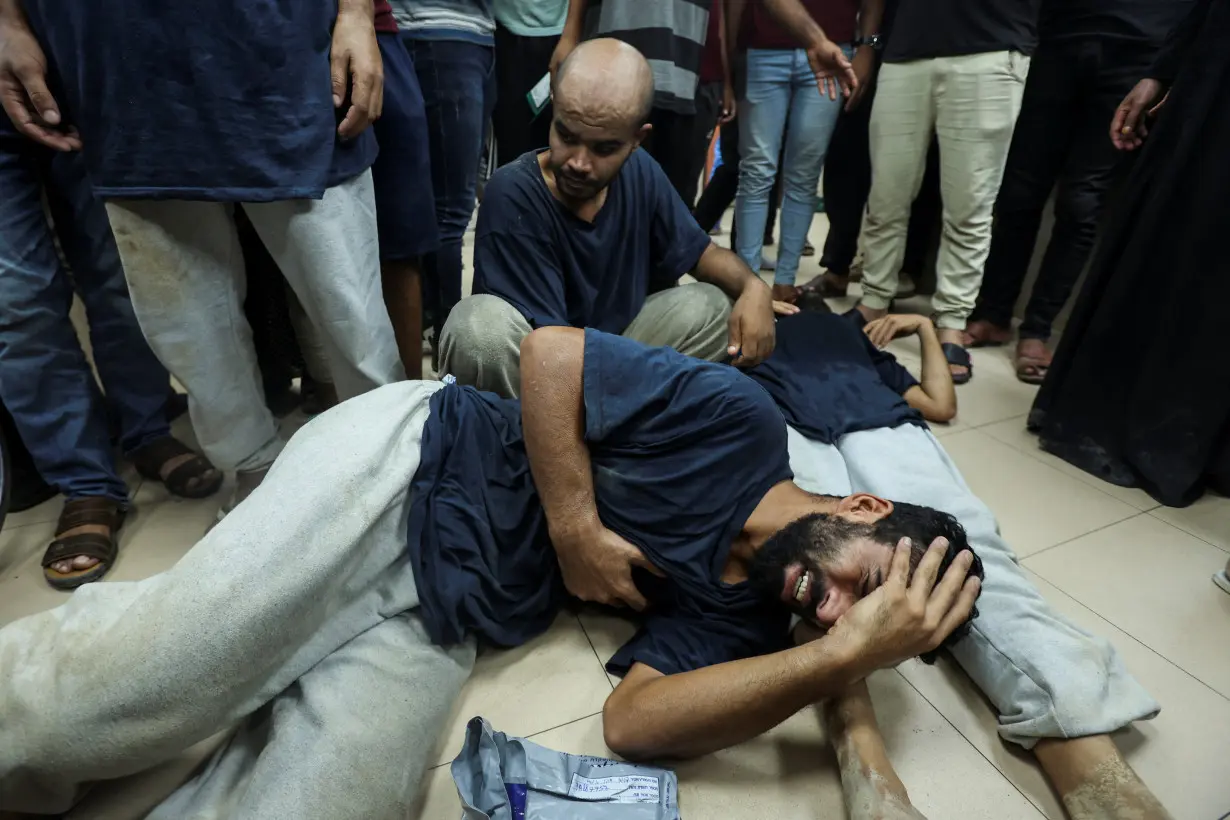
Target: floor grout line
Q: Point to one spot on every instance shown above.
(594, 649)
(973, 745)
(1022, 559)
(1197, 536)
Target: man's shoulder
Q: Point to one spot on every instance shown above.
(643, 174)
(515, 190)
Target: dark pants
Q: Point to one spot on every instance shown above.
(458, 83)
(672, 143)
(1061, 136)
(847, 183)
(522, 63)
(719, 194)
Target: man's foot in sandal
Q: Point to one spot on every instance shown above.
(183, 472)
(959, 363)
(981, 333)
(1033, 359)
(85, 544)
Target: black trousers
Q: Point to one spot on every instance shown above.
(672, 142)
(520, 62)
(1061, 137)
(719, 194)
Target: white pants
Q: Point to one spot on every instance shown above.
(296, 616)
(970, 103)
(185, 274)
(1045, 675)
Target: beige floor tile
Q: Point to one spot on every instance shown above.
(1037, 506)
(39, 514)
(1013, 433)
(550, 681)
(607, 632)
(1179, 754)
(1208, 519)
(1151, 580)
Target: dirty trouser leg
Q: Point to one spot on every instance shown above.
(126, 675)
(690, 318)
(481, 344)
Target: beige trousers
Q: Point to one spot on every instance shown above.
(971, 103)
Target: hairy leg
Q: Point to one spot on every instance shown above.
(1095, 782)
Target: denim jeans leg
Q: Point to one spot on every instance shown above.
(455, 78)
(762, 123)
(812, 120)
(45, 380)
(135, 382)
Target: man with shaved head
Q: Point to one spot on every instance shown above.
(591, 233)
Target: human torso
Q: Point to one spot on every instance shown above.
(925, 29)
(836, 17)
(670, 33)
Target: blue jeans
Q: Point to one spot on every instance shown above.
(458, 83)
(782, 100)
(45, 380)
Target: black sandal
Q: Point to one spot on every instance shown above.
(78, 512)
(956, 355)
(149, 461)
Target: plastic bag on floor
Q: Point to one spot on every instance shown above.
(509, 778)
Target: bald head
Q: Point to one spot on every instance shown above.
(607, 81)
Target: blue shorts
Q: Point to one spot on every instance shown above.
(405, 204)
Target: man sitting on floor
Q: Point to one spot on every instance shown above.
(333, 614)
(591, 233)
(856, 426)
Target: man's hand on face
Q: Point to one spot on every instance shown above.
(354, 62)
(904, 618)
(753, 329)
(23, 89)
(597, 567)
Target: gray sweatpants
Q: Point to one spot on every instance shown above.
(185, 273)
(294, 617)
(481, 341)
(1045, 675)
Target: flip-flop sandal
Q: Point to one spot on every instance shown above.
(1031, 370)
(78, 512)
(983, 340)
(956, 355)
(149, 461)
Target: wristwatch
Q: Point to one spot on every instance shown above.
(874, 40)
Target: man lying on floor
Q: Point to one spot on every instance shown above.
(332, 617)
(856, 425)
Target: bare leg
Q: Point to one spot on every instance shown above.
(403, 298)
(871, 788)
(1095, 782)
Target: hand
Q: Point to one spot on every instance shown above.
(563, 48)
(24, 93)
(730, 105)
(888, 327)
(354, 61)
(597, 567)
(864, 65)
(1129, 128)
(752, 330)
(784, 308)
(833, 71)
(901, 620)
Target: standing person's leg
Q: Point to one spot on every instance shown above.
(720, 192)
(405, 206)
(481, 344)
(1040, 145)
(329, 253)
(810, 125)
(977, 108)
(296, 572)
(703, 124)
(693, 319)
(847, 182)
(522, 64)
(762, 123)
(454, 77)
(902, 120)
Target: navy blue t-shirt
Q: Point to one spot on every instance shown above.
(682, 452)
(228, 100)
(559, 270)
(829, 379)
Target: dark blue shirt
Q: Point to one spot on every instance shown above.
(829, 379)
(558, 269)
(682, 452)
(226, 100)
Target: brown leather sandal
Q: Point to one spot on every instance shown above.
(79, 512)
(194, 478)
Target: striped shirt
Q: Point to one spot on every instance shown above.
(468, 20)
(671, 35)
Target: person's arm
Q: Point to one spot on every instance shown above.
(870, 17)
(596, 563)
(833, 71)
(730, 105)
(574, 25)
(753, 331)
(733, 19)
(935, 396)
(24, 93)
(703, 710)
(355, 65)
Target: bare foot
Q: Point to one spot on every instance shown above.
(785, 293)
(1033, 359)
(80, 562)
(981, 333)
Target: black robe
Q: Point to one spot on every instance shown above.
(1139, 391)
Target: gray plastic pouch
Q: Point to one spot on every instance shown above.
(509, 778)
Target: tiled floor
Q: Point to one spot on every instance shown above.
(1108, 558)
